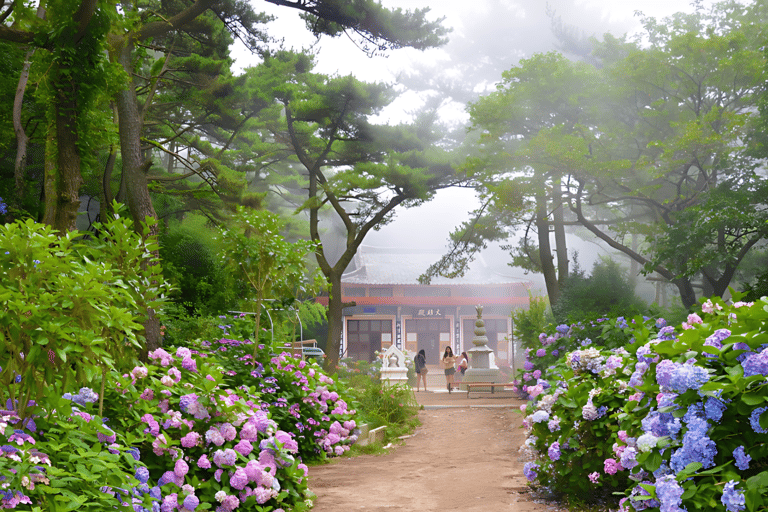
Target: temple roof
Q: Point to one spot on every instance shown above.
(388, 265)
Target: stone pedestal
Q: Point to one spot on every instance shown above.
(480, 368)
(393, 368)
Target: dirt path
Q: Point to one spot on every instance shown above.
(461, 458)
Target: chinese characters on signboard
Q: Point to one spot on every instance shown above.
(431, 313)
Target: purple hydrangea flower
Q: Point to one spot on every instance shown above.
(191, 502)
(554, 451)
(756, 364)
(669, 493)
(742, 458)
(754, 420)
(529, 470)
(142, 474)
(732, 498)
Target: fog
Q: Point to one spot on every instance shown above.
(489, 37)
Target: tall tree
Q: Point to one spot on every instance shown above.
(358, 171)
(540, 93)
(649, 149)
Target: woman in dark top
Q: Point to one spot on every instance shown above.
(421, 368)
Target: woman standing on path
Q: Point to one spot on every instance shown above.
(420, 366)
(463, 364)
(449, 361)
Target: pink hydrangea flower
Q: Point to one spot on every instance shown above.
(181, 468)
(203, 462)
(183, 352)
(239, 479)
(139, 372)
(611, 466)
(189, 364)
(175, 374)
(228, 431)
(244, 447)
(148, 394)
(190, 440)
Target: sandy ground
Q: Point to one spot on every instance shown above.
(464, 456)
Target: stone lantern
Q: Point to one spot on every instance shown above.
(480, 356)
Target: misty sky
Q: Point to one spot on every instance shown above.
(489, 37)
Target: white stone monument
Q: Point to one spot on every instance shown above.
(482, 367)
(393, 368)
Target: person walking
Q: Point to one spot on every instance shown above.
(420, 366)
(448, 363)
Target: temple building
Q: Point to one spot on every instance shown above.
(392, 307)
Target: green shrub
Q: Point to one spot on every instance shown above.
(605, 292)
(191, 263)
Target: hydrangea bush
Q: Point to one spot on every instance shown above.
(302, 400)
(205, 442)
(63, 459)
(680, 424)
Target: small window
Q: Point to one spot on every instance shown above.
(380, 292)
(350, 291)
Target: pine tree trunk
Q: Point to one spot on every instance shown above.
(335, 321)
(135, 169)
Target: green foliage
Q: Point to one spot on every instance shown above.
(62, 463)
(72, 308)
(382, 404)
(257, 254)
(605, 292)
(529, 323)
(191, 263)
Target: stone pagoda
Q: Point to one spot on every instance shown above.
(480, 356)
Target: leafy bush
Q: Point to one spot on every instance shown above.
(605, 292)
(62, 458)
(528, 323)
(675, 419)
(192, 264)
(72, 307)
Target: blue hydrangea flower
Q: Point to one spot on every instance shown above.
(666, 333)
(754, 420)
(660, 322)
(664, 371)
(3, 207)
(688, 376)
(756, 364)
(669, 493)
(732, 498)
(742, 458)
(563, 328)
(714, 408)
(697, 447)
(716, 340)
(629, 458)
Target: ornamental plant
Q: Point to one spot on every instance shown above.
(683, 417)
(302, 399)
(72, 308)
(205, 444)
(63, 458)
